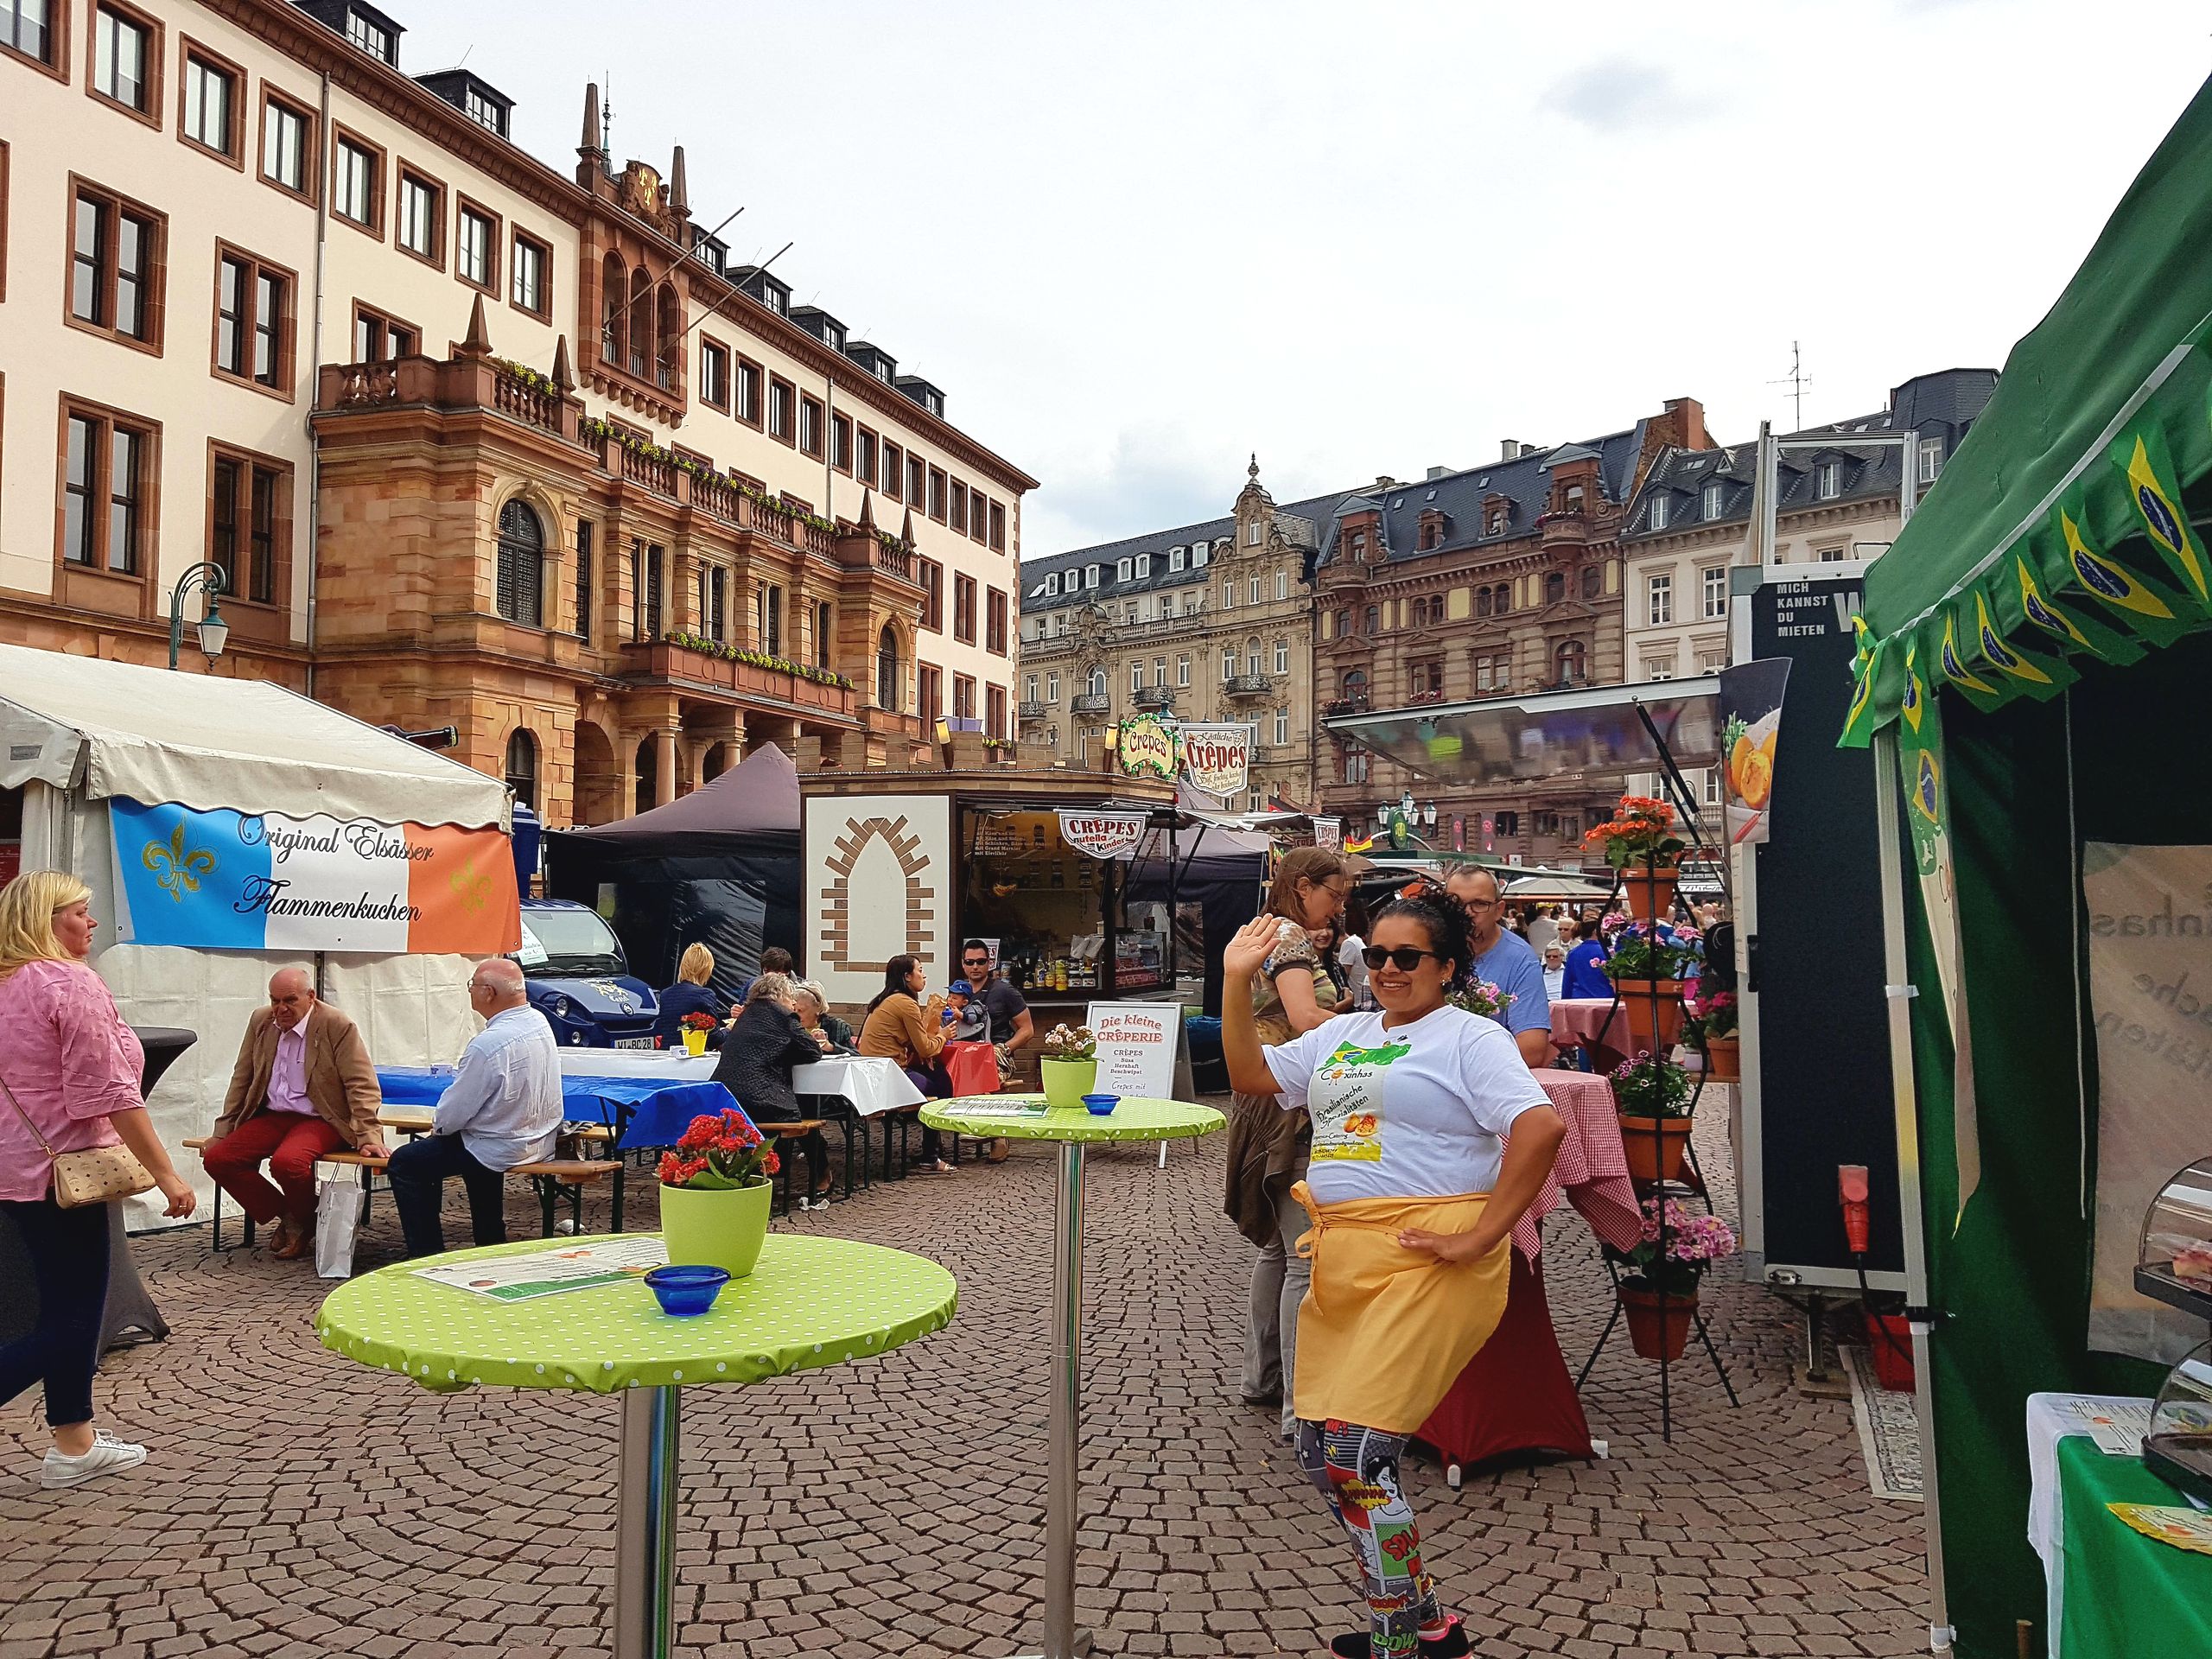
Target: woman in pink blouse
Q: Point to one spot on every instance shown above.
(71, 1067)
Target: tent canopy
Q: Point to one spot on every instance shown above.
(758, 796)
(1548, 736)
(209, 742)
(1555, 887)
(2059, 532)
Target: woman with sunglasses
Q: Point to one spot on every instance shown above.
(1413, 1191)
(1267, 1147)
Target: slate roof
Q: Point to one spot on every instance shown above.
(1940, 406)
(1318, 511)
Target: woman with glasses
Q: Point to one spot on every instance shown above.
(1412, 1194)
(1267, 1147)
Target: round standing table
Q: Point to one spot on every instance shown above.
(810, 1302)
(1133, 1120)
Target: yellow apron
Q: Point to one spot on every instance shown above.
(1384, 1331)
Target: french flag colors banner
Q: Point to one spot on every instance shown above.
(226, 880)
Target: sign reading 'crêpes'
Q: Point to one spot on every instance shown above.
(1147, 745)
(1102, 835)
(228, 881)
(1217, 759)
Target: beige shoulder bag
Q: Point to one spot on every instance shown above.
(96, 1175)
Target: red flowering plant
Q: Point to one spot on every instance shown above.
(698, 1022)
(1641, 831)
(719, 1152)
(1710, 1013)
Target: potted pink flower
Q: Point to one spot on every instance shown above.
(1659, 1288)
(1710, 1027)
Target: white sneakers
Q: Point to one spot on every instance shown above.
(107, 1456)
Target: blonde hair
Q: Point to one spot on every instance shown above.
(27, 907)
(696, 966)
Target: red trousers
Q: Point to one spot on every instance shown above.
(291, 1144)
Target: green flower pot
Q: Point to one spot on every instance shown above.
(1066, 1081)
(715, 1227)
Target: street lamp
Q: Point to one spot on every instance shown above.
(213, 630)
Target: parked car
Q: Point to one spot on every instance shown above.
(578, 978)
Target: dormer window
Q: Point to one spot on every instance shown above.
(1716, 497)
(1121, 570)
(1573, 498)
(1253, 533)
(1359, 547)
(1052, 586)
(1495, 524)
(1660, 506)
(484, 112)
(371, 37)
(1092, 581)
(1175, 557)
(1199, 555)
(1144, 566)
(1829, 479)
(1931, 459)
(772, 298)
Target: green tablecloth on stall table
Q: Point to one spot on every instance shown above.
(2125, 1596)
(811, 1301)
(1133, 1120)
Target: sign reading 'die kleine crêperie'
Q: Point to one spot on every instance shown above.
(1102, 835)
(1136, 1047)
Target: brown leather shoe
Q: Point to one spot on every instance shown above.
(293, 1244)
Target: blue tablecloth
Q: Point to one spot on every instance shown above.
(648, 1112)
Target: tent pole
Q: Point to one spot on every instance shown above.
(1174, 891)
(1900, 994)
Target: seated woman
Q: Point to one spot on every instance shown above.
(900, 1027)
(813, 1009)
(689, 995)
(758, 1050)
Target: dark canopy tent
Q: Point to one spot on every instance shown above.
(2031, 643)
(1221, 871)
(721, 866)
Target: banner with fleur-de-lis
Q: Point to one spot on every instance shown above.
(228, 881)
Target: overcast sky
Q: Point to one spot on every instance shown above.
(1133, 242)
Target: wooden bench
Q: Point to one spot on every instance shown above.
(215, 1244)
(787, 1133)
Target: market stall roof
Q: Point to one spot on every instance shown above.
(758, 796)
(208, 742)
(2059, 529)
(1555, 887)
(1546, 735)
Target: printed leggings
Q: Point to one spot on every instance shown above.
(1356, 1470)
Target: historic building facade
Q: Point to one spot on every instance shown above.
(471, 441)
(1204, 622)
(1839, 501)
(1493, 580)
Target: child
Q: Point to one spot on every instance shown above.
(969, 1019)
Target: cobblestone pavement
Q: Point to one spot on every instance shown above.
(296, 1504)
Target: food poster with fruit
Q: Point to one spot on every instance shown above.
(1750, 714)
(2149, 919)
(1346, 1102)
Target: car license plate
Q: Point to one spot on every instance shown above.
(633, 1042)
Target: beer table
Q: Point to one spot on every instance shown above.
(992, 1115)
(811, 1301)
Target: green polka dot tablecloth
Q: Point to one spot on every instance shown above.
(1133, 1120)
(809, 1301)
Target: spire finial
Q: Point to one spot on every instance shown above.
(1253, 471)
(868, 511)
(564, 378)
(679, 193)
(591, 148)
(478, 342)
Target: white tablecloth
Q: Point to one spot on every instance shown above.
(636, 1063)
(872, 1086)
(2051, 1418)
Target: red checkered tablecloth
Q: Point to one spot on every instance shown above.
(1592, 1171)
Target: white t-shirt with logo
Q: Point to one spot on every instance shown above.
(1414, 1111)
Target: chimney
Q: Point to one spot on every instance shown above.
(1685, 423)
(1508, 449)
(1385, 481)
(1435, 473)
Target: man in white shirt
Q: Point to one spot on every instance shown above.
(502, 1108)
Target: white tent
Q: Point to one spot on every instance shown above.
(76, 731)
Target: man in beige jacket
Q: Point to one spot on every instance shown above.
(302, 1089)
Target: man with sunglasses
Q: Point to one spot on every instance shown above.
(1012, 1025)
(1507, 960)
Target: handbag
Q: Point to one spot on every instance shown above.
(96, 1175)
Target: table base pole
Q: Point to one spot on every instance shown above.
(645, 1537)
(1080, 1648)
(1062, 1473)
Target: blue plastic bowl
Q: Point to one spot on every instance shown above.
(685, 1292)
(1101, 1105)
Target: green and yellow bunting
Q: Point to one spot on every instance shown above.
(1858, 720)
(2149, 473)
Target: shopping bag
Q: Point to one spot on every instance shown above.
(337, 1219)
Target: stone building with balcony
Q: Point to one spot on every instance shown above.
(468, 440)
(1490, 581)
(1204, 622)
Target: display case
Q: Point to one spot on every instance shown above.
(2173, 1259)
(2177, 1447)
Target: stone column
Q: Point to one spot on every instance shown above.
(663, 765)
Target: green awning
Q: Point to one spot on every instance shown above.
(2062, 529)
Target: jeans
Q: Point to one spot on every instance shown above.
(68, 1251)
(933, 1085)
(419, 1173)
(1280, 1278)
(291, 1143)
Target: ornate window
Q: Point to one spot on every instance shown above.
(522, 566)
(887, 669)
(522, 767)
(1569, 661)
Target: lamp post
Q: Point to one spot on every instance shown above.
(212, 630)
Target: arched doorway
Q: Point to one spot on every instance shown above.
(648, 791)
(598, 779)
(522, 767)
(714, 762)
